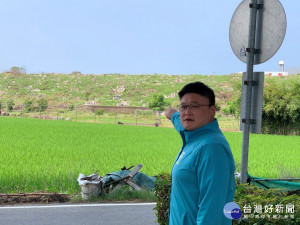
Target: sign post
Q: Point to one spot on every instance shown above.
(249, 82)
(257, 30)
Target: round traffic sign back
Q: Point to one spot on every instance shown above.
(270, 30)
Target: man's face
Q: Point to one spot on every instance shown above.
(195, 111)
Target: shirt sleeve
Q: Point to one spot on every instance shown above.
(175, 118)
(213, 180)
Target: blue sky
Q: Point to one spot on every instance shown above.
(131, 37)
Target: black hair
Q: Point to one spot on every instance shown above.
(198, 88)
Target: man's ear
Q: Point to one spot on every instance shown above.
(213, 110)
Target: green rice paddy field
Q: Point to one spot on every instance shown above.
(48, 155)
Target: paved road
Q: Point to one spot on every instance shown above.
(81, 214)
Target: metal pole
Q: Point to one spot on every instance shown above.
(249, 78)
(136, 117)
(57, 112)
(23, 110)
(76, 114)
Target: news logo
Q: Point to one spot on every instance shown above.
(232, 211)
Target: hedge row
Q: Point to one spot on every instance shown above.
(277, 208)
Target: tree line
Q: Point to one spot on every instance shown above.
(281, 106)
(29, 105)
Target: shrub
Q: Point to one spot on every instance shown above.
(71, 107)
(28, 105)
(281, 107)
(245, 195)
(99, 112)
(10, 105)
(158, 103)
(252, 195)
(162, 193)
(42, 104)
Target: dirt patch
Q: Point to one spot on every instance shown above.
(33, 198)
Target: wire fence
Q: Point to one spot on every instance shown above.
(140, 116)
(93, 114)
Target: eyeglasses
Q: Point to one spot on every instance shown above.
(193, 107)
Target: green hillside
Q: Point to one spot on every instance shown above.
(113, 89)
(107, 89)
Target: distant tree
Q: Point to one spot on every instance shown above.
(281, 107)
(42, 104)
(10, 105)
(1, 104)
(28, 105)
(76, 73)
(17, 70)
(100, 112)
(71, 107)
(158, 103)
(233, 107)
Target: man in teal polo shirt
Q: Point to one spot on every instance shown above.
(203, 173)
